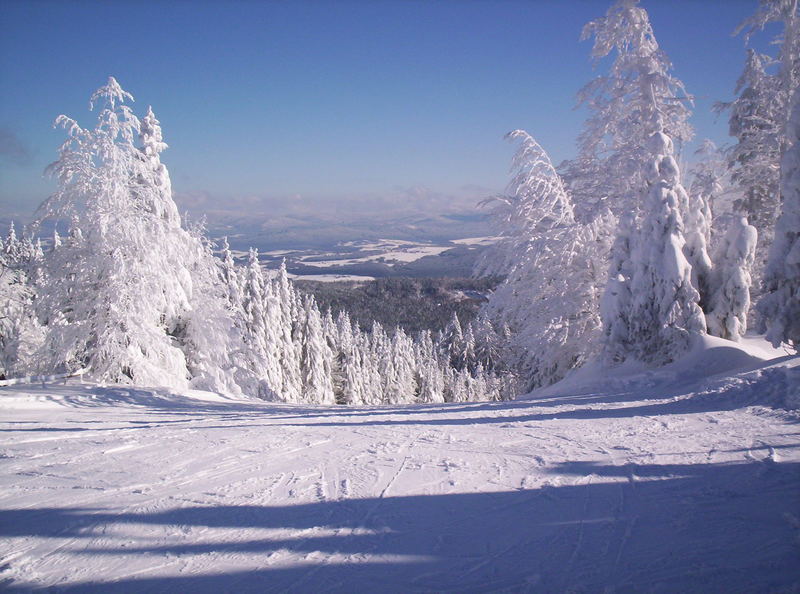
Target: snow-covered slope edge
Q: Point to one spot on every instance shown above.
(749, 372)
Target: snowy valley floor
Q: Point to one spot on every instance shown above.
(689, 485)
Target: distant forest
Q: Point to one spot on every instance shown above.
(414, 304)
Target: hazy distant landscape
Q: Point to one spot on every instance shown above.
(331, 248)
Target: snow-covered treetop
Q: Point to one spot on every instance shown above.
(754, 71)
(625, 28)
(535, 202)
(785, 12)
(639, 74)
(539, 198)
(635, 97)
(110, 94)
(150, 134)
(86, 154)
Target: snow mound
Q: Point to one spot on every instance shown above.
(750, 372)
(43, 396)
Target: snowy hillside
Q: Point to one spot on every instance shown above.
(679, 480)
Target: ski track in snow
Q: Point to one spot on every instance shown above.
(125, 490)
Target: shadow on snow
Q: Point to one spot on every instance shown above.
(700, 528)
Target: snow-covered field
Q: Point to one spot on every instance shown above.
(332, 278)
(385, 250)
(668, 481)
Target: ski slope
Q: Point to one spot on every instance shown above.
(668, 481)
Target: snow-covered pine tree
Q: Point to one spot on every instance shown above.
(122, 294)
(402, 386)
(759, 116)
(286, 309)
(315, 357)
(153, 179)
(755, 122)
(372, 345)
(231, 278)
(639, 110)
(705, 188)
(258, 334)
(534, 202)
(616, 301)
(555, 270)
(780, 305)
(468, 358)
(429, 372)
(451, 341)
(206, 332)
(349, 381)
(728, 302)
(488, 343)
(664, 309)
(20, 332)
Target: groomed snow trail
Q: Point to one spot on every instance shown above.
(125, 490)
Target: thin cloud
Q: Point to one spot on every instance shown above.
(13, 151)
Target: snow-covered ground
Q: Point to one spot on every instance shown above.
(331, 278)
(669, 481)
(385, 250)
(489, 240)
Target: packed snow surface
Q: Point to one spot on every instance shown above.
(673, 481)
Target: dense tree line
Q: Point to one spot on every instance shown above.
(415, 304)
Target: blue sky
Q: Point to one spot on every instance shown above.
(269, 106)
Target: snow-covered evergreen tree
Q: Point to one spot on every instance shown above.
(755, 122)
(258, 333)
(489, 343)
(348, 379)
(285, 308)
(534, 202)
(123, 292)
(705, 189)
(664, 308)
(759, 116)
(20, 332)
(315, 357)
(729, 301)
(430, 378)
(780, 304)
(231, 278)
(402, 386)
(153, 179)
(451, 341)
(555, 271)
(616, 301)
(639, 110)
